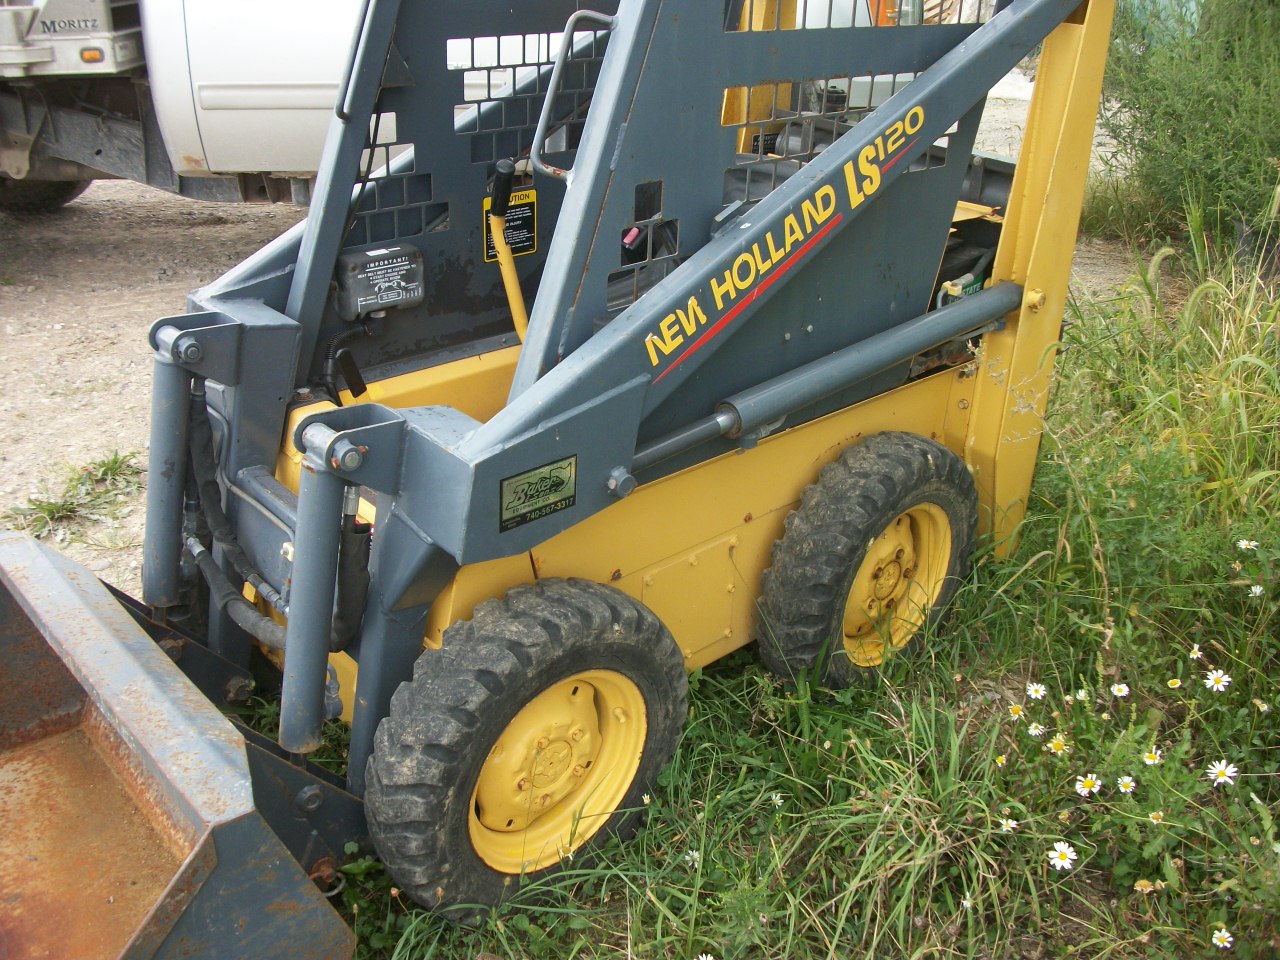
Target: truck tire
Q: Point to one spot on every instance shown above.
(873, 556)
(38, 196)
(525, 741)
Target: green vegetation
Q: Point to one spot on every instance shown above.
(89, 493)
(1190, 104)
(920, 816)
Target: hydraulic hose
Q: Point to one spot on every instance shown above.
(229, 600)
(204, 467)
(328, 375)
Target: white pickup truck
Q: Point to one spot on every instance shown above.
(211, 99)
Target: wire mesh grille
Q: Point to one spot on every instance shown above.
(505, 80)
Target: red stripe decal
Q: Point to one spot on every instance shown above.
(905, 151)
(746, 301)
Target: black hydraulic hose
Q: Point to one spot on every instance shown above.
(204, 467)
(353, 582)
(225, 596)
(328, 376)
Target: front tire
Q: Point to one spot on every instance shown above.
(524, 742)
(38, 196)
(873, 555)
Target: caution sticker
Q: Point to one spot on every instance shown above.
(522, 225)
(539, 492)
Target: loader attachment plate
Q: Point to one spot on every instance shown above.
(127, 809)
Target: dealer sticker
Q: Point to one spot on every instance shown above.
(539, 492)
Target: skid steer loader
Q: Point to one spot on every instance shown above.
(616, 339)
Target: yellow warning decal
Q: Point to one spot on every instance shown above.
(522, 225)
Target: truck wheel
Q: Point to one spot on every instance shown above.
(523, 743)
(38, 196)
(874, 553)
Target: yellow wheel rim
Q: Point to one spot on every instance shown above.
(897, 584)
(557, 772)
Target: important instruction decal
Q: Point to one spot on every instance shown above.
(538, 493)
(522, 225)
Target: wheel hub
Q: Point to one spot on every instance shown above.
(558, 771)
(896, 584)
(541, 758)
(552, 764)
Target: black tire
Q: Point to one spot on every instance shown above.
(538, 647)
(38, 196)
(838, 599)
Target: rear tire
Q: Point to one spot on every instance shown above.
(871, 558)
(523, 743)
(38, 196)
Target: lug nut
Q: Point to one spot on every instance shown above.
(579, 770)
(898, 555)
(524, 784)
(576, 734)
(543, 743)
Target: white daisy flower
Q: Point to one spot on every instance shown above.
(704, 956)
(1062, 856)
(1126, 784)
(1173, 684)
(1217, 680)
(1035, 691)
(1088, 785)
(1001, 760)
(1256, 590)
(1153, 757)
(1008, 825)
(1222, 938)
(693, 858)
(1082, 694)
(967, 903)
(1119, 689)
(1247, 544)
(776, 798)
(1195, 653)
(1015, 711)
(1058, 745)
(1222, 772)
(1156, 816)
(1036, 730)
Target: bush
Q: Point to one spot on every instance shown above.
(1191, 95)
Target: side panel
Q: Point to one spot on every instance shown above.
(692, 546)
(264, 79)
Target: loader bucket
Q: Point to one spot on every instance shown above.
(127, 821)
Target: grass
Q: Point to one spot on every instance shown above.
(916, 817)
(93, 492)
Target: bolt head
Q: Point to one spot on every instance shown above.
(309, 799)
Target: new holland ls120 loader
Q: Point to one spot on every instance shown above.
(615, 340)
